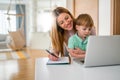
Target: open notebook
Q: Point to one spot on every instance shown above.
(62, 60)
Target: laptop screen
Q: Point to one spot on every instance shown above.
(103, 50)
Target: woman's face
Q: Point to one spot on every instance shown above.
(65, 21)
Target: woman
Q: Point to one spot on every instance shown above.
(63, 27)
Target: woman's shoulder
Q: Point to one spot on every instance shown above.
(93, 31)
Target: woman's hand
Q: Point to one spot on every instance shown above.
(53, 58)
(77, 52)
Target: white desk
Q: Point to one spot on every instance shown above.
(74, 71)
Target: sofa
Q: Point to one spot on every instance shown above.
(3, 41)
(39, 40)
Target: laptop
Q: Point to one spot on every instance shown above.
(102, 51)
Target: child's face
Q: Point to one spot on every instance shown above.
(83, 31)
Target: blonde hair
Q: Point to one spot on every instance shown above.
(57, 33)
(85, 20)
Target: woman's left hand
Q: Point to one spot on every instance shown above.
(77, 52)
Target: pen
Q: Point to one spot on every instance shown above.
(52, 53)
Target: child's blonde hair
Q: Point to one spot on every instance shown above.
(84, 20)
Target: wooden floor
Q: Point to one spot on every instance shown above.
(23, 69)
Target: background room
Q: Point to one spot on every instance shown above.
(29, 21)
(37, 14)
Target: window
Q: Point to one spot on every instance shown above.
(5, 25)
(44, 9)
(44, 21)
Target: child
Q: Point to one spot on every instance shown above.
(84, 24)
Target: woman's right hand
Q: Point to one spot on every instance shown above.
(53, 58)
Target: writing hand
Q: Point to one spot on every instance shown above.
(52, 56)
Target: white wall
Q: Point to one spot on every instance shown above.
(69, 5)
(104, 17)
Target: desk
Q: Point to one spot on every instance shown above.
(74, 71)
(23, 69)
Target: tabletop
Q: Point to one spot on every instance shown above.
(74, 71)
